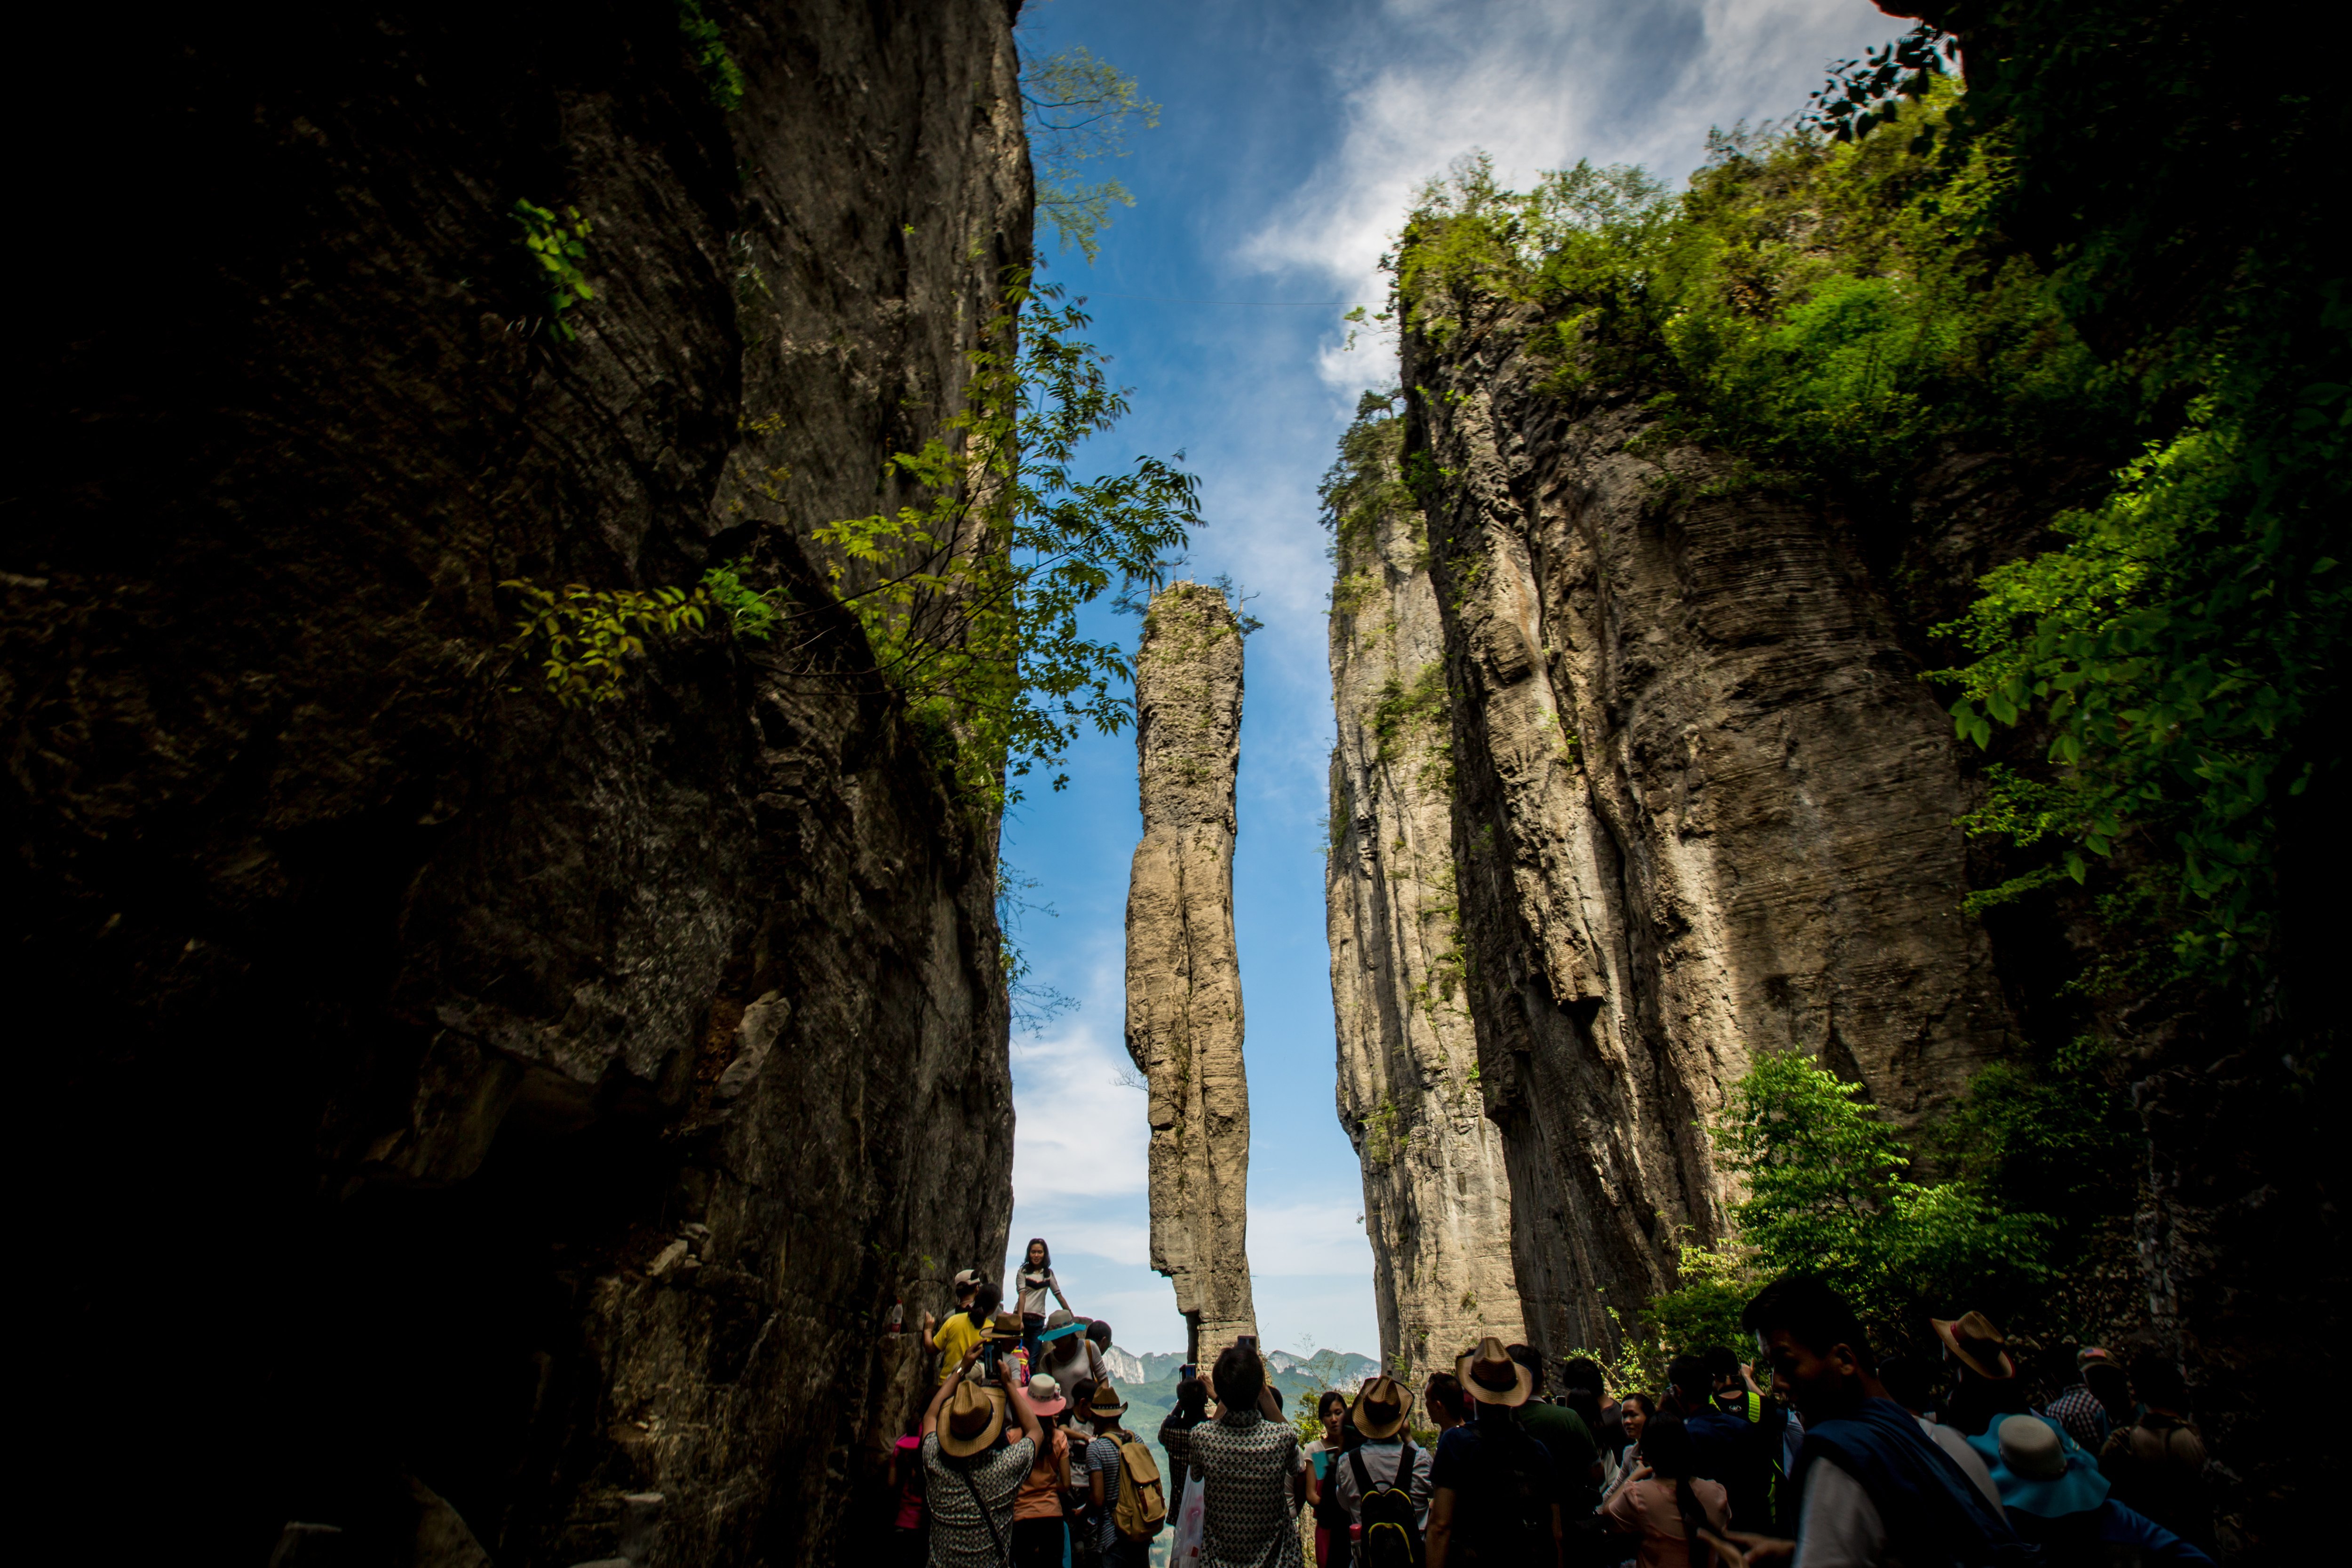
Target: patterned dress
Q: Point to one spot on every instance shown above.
(961, 1536)
(1246, 1462)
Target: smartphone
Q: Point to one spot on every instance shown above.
(1187, 1370)
(1246, 1341)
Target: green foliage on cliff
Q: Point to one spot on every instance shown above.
(722, 77)
(586, 638)
(1960, 274)
(970, 597)
(557, 244)
(1829, 1192)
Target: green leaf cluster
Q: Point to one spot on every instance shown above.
(722, 77)
(557, 244)
(752, 613)
(970, 596)
(1829, 1192)
(586, 638)
(1076, 108)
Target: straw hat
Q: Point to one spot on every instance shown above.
(2038, 1470)
(1978, 1344)
(972, 1420)
(1060, 1325)
(1382, 1406)
(1004, 1325)
(1106, 1401)
(1045, 1396)
(1489, 1375)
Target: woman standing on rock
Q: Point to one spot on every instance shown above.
(1036, 1281)
(1249, 1460)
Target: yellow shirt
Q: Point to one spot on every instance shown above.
(955, 1336)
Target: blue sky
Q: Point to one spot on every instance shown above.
(1291, 136)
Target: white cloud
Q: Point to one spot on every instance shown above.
(1537, 85)
(1306, 1239)
(1079, 1131)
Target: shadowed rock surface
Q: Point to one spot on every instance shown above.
(1437, 1203)
(1183, 978)
(509, 1125)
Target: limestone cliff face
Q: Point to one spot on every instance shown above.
(1704, 808)
(1183, 978)
(1437, 1203)
(509, 1125)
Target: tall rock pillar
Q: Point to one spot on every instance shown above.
(1437, 1194)
(1183, 978)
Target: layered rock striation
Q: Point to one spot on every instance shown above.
(1701, 807)
(1437, 1202)
(509, 1125)
(1183, 977)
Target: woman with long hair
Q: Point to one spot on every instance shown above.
(1323, 1456)
(1664, 1503)
(1031, 1287)
(1633, 1417)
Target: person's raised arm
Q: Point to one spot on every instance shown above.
(1055, 1280)
(1018, 1397)
(1265, 1404)
(947, 1390)
(1440, 1538)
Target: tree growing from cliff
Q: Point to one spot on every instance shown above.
(1076, 108)
(1829, 1192)
(970, 597)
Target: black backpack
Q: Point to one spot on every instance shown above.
(1512, 1524)
(1392, 1534)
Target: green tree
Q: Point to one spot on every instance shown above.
(970, 598)
(1076, 108)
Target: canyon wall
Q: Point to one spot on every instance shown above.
(1702, 806)
(493, 1127)
(1437, 1202)
(1184, 976)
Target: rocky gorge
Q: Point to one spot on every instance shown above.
(488, 1084)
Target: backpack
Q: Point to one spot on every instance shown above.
(1142, 1505)
(1514, 1524)
(1392, 1537)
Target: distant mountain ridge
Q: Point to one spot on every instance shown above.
(1341, 1369)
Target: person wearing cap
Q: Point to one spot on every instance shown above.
(1493, 1499)
(1103, 1472)
(968, 1329)
(970, 1473)
(1985, 1383)
(2075, 1408)
(1039, 1535)
(1250, 1463)
(1874, 1487)
(1383, 1406)
(2057, 1498)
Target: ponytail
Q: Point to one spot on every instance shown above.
(1666, 1448)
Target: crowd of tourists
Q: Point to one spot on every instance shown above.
(1815, 1454)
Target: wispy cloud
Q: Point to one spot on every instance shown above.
(1537, 85)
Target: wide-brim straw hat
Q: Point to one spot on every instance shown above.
(1060, 1324)
(972, 1420)
(1381, 1406)
(1045, 1396)
(1981, 1347)
(1004, 1325)
(1489, 1375)
(2039, 1470)
(1106, 1401)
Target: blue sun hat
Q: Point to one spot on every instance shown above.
(2039, 1468)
